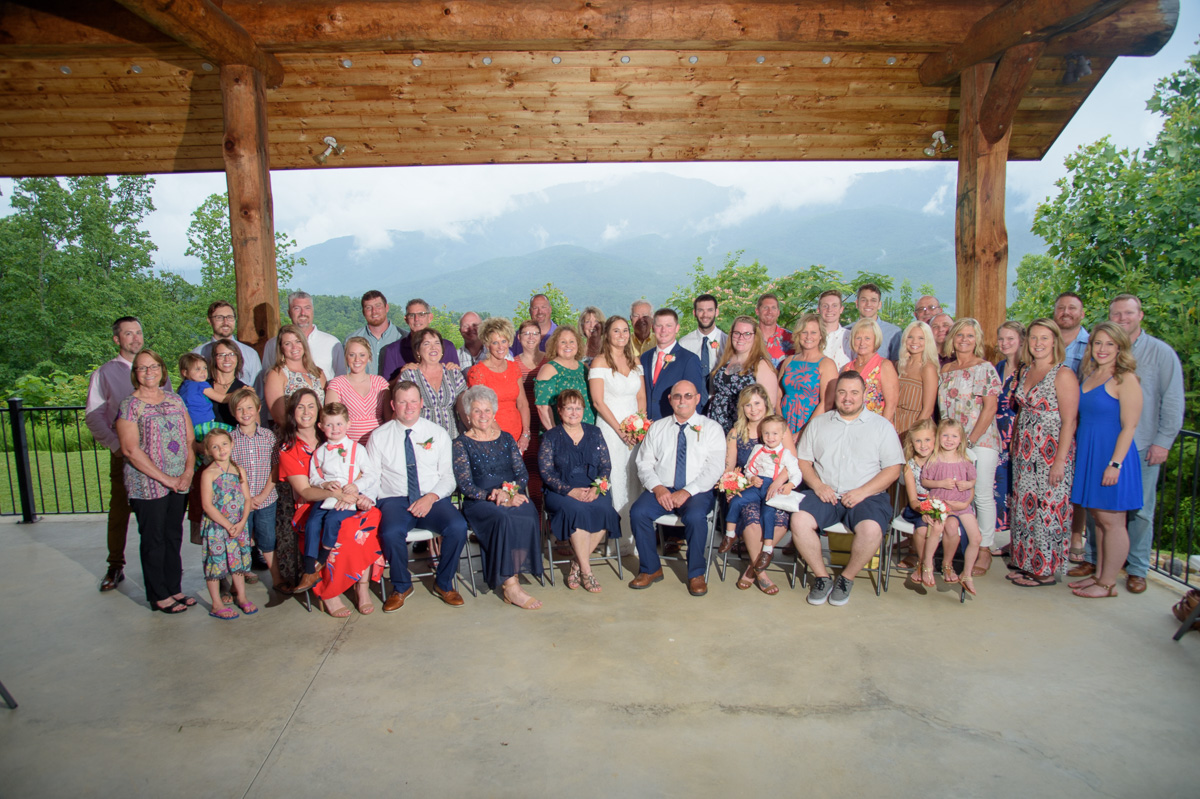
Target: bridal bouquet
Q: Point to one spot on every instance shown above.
(933, 508)
(636, 426)
(733, 482)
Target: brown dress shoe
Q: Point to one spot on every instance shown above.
(112, 579)
(1135, 585)
(697, 586)
(645, 580)
(1084, 569)
(727, 543)
(396, 600)
(451, 597)
(763, 561)
(308, 581)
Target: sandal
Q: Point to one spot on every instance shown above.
(341, 613)
(968, 587)
(1086, 582)
(530, 604)
(948, 574)
(908, 563)
(1076, 555)
(226, 599)
(247, 607)
(184, 599)
(1110, 591)
(573, 576)
(746, 580)
(224, 614)
(981, 570)
(766, 586)
(927, 577)
(171, 609)
(1029, 581)
(590, 583)
(251, 578)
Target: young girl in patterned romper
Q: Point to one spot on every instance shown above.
(224, 494)
(950, 477)
(918, 449)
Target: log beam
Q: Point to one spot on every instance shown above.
(59, 27)
(210, 32)
(1006, 87)
(1017, 22)
(251, 209)
(980, 236)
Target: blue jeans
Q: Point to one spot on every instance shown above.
(1140, 524)
(261, 525)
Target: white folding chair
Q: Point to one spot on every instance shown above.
(672, 520)
(612, 553)
(876, 567)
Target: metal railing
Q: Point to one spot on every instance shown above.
(51, 465)
(1176, 536)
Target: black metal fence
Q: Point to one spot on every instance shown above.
(51, 465)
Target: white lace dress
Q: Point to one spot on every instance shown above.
(620, 395)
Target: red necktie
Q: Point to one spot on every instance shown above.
(658, 365)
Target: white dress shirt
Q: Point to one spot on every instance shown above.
(849, 453)
(328, 466)
(705, 454)
(327, 353)
(693, 343)
(435, 469)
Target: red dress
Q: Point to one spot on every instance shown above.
(508, 386)
(357, 547)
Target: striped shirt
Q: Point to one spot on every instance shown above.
(258, 457)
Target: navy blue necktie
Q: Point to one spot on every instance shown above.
(681, 458)
(410, 457)
(704, 364)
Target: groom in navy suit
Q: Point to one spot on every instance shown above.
(668, 363)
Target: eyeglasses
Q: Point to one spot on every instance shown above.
(421, 315)
(141, 370)
(683, 396)
(222, 317)
(742, 333)
(924, 308)
(226, 356)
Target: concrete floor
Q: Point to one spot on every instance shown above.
(648, 693)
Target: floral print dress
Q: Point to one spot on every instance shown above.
(225, 555)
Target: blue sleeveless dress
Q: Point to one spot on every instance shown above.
(1099, 426)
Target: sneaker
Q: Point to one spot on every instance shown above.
(820, 590)
(841, 591)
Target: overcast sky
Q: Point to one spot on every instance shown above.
(314, 205)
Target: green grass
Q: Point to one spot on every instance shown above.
(78, 492)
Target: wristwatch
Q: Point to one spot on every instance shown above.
(1114, 464)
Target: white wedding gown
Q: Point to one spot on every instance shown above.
(620, 395)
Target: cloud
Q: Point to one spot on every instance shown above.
(613, 232)
(937, 203)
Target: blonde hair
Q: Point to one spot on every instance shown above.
(758, 349)
(356, 340)
(310, 366)
(493, 325)
(948, 344)
(243, 393)
(962, 440)
(214, 434)
(1060, 352)
(772, 418)
(1124, 364)
(919, 427)
(335, 409)
(591, 310)
(875, 331)
(741, 428)
(928, 355)
(556, 337)
(803, 323)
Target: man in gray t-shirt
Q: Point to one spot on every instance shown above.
(849, 457)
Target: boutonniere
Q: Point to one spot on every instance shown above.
(510, 488)
(713, 344)
(697, 428)
(601, 485)
(668, 359)
(428, 444)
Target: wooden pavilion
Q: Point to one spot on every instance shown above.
(148, 86)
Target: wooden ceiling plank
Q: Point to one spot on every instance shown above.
(209, 31)
(1016, 22)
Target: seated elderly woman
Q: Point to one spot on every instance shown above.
(493, 480)
(574, 460)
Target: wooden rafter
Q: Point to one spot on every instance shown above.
(1006, 88)
(1017, 22)
(210, 32)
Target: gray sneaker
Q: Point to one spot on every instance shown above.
(841, 591)
(820, 590)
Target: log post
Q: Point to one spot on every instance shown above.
(251, 210)
(980, 237)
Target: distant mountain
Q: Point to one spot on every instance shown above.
(606, 244)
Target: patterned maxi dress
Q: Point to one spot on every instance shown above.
(225, 555)
(1006, 417)
(801, 383)
(1041, 516)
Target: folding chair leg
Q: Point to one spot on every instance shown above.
(550, 556)
(8, 698)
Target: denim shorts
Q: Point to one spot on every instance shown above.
(261, 526)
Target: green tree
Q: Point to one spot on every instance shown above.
(1129, 221)
(561, 310)
(210, 241)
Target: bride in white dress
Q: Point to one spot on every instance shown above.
(618, 390)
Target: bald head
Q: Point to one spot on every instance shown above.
(926, 308)
(684, 398)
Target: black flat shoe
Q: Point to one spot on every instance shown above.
(171, 609)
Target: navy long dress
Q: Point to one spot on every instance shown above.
(565, 465)
(508, 536)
